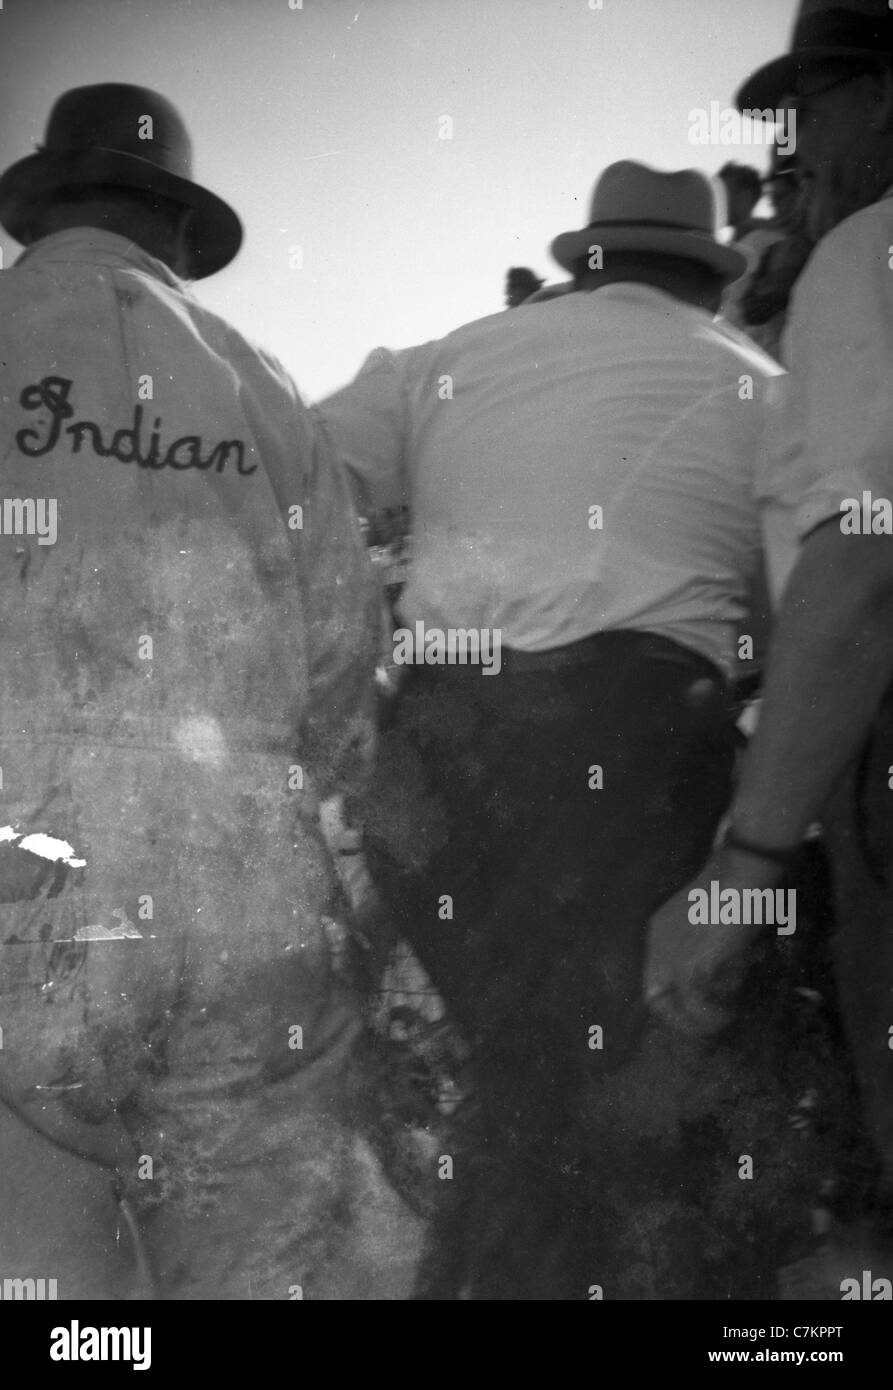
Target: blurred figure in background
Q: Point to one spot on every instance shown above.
(743, 192)
(763, 304)
(520, 284)
(751, 236)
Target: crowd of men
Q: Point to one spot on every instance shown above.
(602, 488)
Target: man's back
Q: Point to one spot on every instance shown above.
(518, 426)
(171, 449)
(172, 664)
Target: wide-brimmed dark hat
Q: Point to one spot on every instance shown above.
(825, 31)
(125, 137)
(635, 208)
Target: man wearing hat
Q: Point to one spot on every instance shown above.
(580, 478)
(520, 284)
(187, 629)
(766, 295)
(743, 189)
(824, 745)
(750, 236)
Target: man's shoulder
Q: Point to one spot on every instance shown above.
(847, 283)
(227, 342)
(662, 323)
(860, 242)
(405, 366)
(513, 336)
(22, 283)
(508, 324)
(866, 220)
(33, 287)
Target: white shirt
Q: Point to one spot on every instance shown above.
(503, 436)
(837, 439)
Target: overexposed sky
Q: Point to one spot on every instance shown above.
(321, 125)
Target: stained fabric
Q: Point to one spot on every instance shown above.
(184, 669)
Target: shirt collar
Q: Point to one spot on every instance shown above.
(631, 289)
(638, 290)
(93, 246)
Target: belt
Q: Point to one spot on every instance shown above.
(622, 644)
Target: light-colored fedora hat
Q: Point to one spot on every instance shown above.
(94, 138)
(635, 208)
(825, 31)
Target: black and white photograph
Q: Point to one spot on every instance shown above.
(446, 718)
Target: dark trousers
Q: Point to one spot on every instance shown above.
(525, 826)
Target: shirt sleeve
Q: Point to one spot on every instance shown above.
(339, 595)
(367, 422)
(344, 618)
(841, 354)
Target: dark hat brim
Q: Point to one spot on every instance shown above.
(765, 88)
(570, 247)
(215, 231)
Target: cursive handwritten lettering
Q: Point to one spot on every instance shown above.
(126, 445)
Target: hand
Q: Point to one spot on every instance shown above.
(693, 972)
